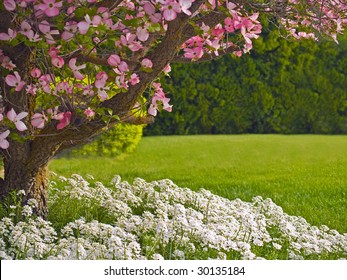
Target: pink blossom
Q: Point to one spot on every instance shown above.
(84, 26)
(195, 41)
(55, 115)
(231, 7)
(50, 7)
(63, 87)
(152, 110)
(157, 99)
(185, 5)
(58, 61)
(16, 119)
(134, 79)
(45, 28)
(213, 3)
(38, 120)
(53, 51)
(218, 31)
(170, 10)
(150, 10)
(6, 62)
(113, 60)
(166, 106)
(194, 53)
(75, 69)
(35, 73)
(238, 53)
(70, 30)
(165, 102)
(86, 90)
(147, 63)
(167, 69)
(24, 3)
(142, 34)
(65, 121)
(33, 37)
(31, 89)
(104, 12)
(8, 36)
(10, 5)
(28, 32)
(120, 80)
(102, 76)
(129, 41)
(229, 25)
(4, 144)
(70, 10)
(15, 81)
(1, 117)
(89, 113)
(100, 85)
(215, 45)
(25, 28)
(102, 93)
(45, 81)
(158, 89)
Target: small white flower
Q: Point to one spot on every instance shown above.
(157, 257)
(21, 192)
(178, 254)
(27, 211)
(32, 202)
(277, 246)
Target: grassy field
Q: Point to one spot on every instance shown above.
(306, 174)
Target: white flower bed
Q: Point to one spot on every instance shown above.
(160, 220)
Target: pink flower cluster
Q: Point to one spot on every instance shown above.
(159, 101)
(85, 59)
(6, 62)
(16, 119)
(48, 7)
(38, 119)
(216, 39)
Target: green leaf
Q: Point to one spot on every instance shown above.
(155, 27)
(135, 22)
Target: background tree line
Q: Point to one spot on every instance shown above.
(283, 86)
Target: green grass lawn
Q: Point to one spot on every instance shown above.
(305, 174)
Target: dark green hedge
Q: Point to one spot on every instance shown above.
(283, 86)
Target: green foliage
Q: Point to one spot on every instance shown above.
(11, 205)
(283, 86)
(121, 139)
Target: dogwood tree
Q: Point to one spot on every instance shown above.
(71, 69)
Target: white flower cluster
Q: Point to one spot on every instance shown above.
(159, 220)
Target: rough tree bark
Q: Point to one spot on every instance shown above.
(21, 175)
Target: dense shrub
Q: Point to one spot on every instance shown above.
(280, 87)
(123, 138)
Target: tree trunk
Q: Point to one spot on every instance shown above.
(21, 174)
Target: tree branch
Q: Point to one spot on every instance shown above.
(139, 120)
(107, 3)
(121, 103)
